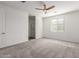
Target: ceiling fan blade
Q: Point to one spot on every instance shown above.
(50, 7)
(39, 9)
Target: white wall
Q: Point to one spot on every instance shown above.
(16, 26)
(71, 27)
(38, 26)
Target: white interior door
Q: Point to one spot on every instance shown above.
(16, 27)
(2, 28)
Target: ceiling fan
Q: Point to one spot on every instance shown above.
(45, 8)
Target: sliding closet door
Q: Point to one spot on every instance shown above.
(0, 27)
(16, 27)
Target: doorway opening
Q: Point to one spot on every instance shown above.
(31, 27)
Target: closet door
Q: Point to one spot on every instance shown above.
(16, 27)
(2, 26)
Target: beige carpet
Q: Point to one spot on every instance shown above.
(41, 48)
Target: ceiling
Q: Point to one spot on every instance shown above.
(29, 6)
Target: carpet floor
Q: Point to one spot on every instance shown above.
(41, 48)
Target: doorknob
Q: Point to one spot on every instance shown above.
(3, 33)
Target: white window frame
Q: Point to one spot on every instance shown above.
(57, 18)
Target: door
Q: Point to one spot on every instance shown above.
(16, 27)
(0, 27)
(31, 27)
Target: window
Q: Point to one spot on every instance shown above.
(57, 25)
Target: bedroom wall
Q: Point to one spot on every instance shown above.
(18, 19)
(71, 27)
(39, 25)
